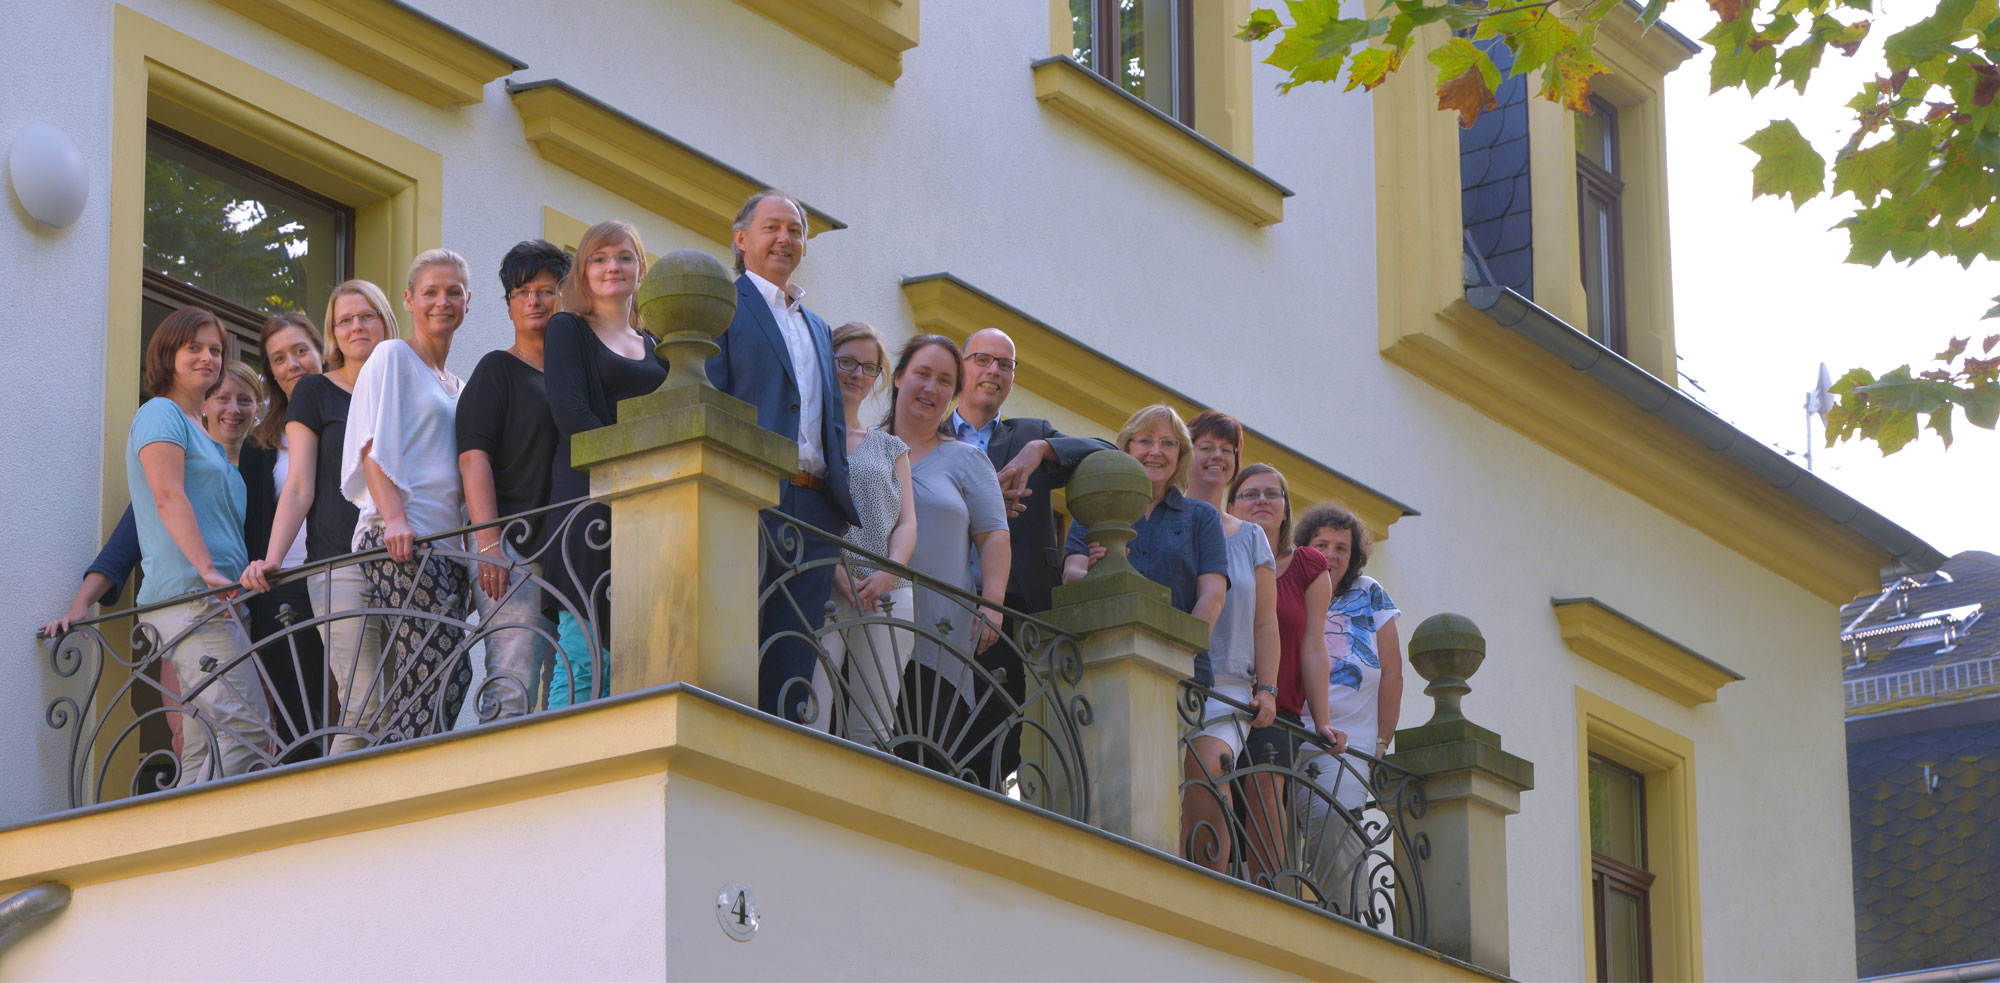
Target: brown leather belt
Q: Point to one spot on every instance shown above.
(806, 480)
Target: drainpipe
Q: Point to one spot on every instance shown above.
(21, 910)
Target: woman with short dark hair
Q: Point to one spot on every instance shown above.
(506, 444)
(188, 504)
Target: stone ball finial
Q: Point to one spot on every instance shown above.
(687, 300)
(1446, 650)
(1108, 492)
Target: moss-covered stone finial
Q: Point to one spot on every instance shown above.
(687, 300)
(1447, 649)
(1109, 492)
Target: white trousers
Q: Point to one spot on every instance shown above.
(353, 653)
(226, 723)
(870, 660)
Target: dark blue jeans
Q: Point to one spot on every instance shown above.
(783, 637)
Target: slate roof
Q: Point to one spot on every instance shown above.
(1493, 180)
(1926, 866)
(1975, 582)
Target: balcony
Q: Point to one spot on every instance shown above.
(1038, 787)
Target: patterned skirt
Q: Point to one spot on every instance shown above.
(432, 669)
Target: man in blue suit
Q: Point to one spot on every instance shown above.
(778, 356)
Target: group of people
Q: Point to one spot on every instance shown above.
(370, 444)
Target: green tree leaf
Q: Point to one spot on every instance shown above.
(1787, 165)
(1262, 22)
(1467, 79)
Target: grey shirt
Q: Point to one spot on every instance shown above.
(871, 478)
(958, 497)
(1232, 646)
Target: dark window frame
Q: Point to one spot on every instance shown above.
(1608, 874)
(1596, 184)
(1107, 54)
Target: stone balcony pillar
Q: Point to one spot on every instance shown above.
(686, 471)
(1470, 788)
(1135, 649)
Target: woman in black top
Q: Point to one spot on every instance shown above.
(359, 316)
(506, 447)
(596, 356)
(295, 664)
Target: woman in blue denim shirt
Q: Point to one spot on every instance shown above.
(1179, 540)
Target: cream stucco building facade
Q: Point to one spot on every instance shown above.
(1297, 261)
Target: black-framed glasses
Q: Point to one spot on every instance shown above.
(851, 365)
(986, 361)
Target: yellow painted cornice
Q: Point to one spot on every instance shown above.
(629, 158)
(1159, 141)
(1078, 377)
(679, 730)
(870, 33)
(390, 42)
(1659, 47)
(1607, 637)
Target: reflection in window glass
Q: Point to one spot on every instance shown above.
(218, 226)
(1082, 24)
(1146, 48)
(1597, 135)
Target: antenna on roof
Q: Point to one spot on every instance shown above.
(1818, 402)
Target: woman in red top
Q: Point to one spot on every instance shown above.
(1259, 495)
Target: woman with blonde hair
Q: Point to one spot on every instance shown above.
(594, 356)
(359, 318)
(399, 467)
(1178, 543)
(870, 658)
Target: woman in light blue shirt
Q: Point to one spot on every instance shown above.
(187, 502)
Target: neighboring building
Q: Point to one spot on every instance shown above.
(1150, 225)
(1923, 749)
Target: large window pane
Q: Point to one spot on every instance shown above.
(1617, 812)
(1624, 938)
(217, 225)
(1595, 254)
(1082, 26)
(1147, 48)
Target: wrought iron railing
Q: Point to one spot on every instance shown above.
(1329, 830)
(1940, 680)
(363, 702)
(914, 682)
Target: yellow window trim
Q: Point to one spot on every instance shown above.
(390, 42)
(1074, 375)
(566, 231)
(872, 34)
(676, 730)
(1666, 760)
(620, 154)
(1159, 141)
(1427, 328)
(1607, 637)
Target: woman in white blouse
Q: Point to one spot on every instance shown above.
(400, 468)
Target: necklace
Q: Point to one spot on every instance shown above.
(516, 352)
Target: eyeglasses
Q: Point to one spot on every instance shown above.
(356, 320)
(1148, 443)
(985, 361)
(852, 365)
(543, 294)
(1264, 494)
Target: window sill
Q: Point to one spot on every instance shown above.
(1640, 654)
(872, 34)
(1572, 395)
(390, 42)
(1158, 140)
(620, 154)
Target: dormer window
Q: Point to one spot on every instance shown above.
(1601, 227)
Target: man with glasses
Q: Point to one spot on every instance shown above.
(1032, 458)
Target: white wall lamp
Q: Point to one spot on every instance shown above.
(48, 174)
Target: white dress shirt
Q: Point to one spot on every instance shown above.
(787, 310)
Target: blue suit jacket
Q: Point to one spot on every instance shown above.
(755, 366)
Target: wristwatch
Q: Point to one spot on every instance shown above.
(1261, 688)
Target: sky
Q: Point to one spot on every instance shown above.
(1762, 295)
